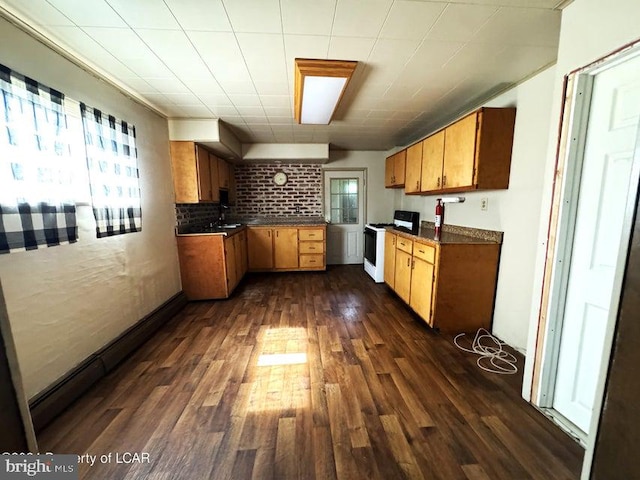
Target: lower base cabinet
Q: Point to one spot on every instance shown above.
(451, 286)
(286, 248)
(211, 266)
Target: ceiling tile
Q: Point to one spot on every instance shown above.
(521, 26)
(176, 51)
(410, 19)
(246, 100)
(460, 22)
(255, 16)
(199, 15)
(276, 100)
(279, 112)
(264, 55)
(139, 85)
(221, 53)
(307, 17)
(145, 13)
(304, 46)
(203, 85)
(360, 18)
(250, 110)
(350, 48)
(167, 85)
(183, 99)
(224, 110)
(272, 88)
(41, 11)
(196, 111)
(215, 99)
(238, 88)
(96, 13)
(389, 56)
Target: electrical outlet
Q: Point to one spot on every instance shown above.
(484, 204)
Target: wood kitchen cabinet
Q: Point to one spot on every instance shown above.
(404, 250)
(451, 286)
(195, 173)
(477, 151)
(413, 169)
(209, 265)
(233, 196)
(432, 159)
(394, 176)
(311, 248)
(285, 248)
(223, 173)
(260, 248)
(422, 280)
(390, 258)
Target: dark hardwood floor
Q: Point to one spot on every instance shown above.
(309, 376)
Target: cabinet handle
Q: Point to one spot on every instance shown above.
(278, 233)
(438, 184)
(421, 251)
(444, 180)
(417, 184)
(269, 232)
(312, 248)
(408, 262)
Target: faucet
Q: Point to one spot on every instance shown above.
(221, 209)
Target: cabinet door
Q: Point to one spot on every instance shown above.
(432, 158)
(459, 153)
(215, 177)
(230, 259)
(403, 275)
(202, 266)
(232, 185)
(286, 247)
(205, 194)
(422, 288)
(185, 172)
(237, 246)
(389, 258)
(223, 172)
(399, 168)
(243, 249)
(388, 171)
(413, 169)
(260, 248)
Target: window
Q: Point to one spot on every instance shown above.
(344, 200)
(36, 169)
(113, 173)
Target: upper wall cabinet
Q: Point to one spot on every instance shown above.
(395, 170)
(477, 150)
(472, 153)
(195, 173)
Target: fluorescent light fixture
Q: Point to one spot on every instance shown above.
(319, 86)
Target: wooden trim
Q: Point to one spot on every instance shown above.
(319, 68)
(50, 403)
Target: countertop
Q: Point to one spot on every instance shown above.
(239, 224)
(452, 234)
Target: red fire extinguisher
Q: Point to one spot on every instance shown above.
(439, 218)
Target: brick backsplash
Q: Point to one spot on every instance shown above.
(258, 195)
(196, 213)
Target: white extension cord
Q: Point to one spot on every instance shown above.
(493, 357)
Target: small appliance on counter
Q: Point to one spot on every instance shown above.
(374, 241)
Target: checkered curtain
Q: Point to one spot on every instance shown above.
(113, 172)
(36, 170)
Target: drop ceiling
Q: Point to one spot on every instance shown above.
(421, 62)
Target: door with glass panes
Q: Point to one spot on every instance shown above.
(344, 200)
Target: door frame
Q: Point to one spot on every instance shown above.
(570, 154)
(358, 170)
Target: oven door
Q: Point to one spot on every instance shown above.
(370, 237)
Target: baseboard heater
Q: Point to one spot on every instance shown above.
(51, 402)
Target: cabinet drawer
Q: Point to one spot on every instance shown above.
(311, 247)
(404, 244)
(311, 234)
(312, 261)
(425, 252)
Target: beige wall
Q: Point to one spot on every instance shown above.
(66, 302)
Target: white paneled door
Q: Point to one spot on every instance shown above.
(344, 200)
(604, 187)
